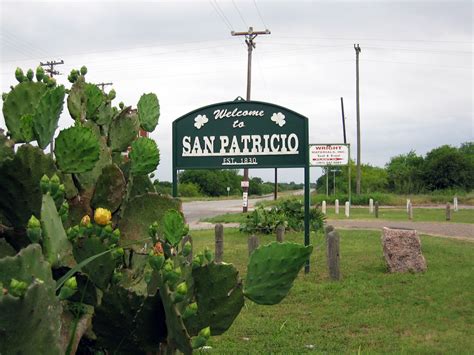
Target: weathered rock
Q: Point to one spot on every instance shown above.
(402, 250)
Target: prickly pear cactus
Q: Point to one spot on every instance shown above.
(110, 189)
(144, 156)
(148, 111)
(76, 150)
(123, 131)
(20, 184)
(21, 101)
(30, 321)
(46, 117)
(272, 269)
(6, 147)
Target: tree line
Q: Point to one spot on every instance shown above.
(442, 168)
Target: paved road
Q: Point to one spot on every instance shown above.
(196, 210)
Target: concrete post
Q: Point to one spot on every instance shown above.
(448, 212)
(336, 206)
(410, 211)
(323, 207)
(347, 209)
(371, 205)
(252, 243)
(333, 255)
(455, 204)
(376, 209)
(280, 234)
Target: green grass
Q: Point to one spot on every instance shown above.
(390, 214)
(368, 309)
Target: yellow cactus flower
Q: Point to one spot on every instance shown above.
(85, 220)
(102, 216)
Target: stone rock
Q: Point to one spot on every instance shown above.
(402, 250)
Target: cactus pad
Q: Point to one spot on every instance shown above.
(56, 247)
(218, 292)
(109, 189)
(6, 147)
(129, 323)
(76, 150)
(148, 111)
(141, 184)
(46, 117)
(144, 156)
(26, 128)
(123, 130)
(20, 184)
(22, 100)
(77, 100)
(101, 269)
(141, 211)
(88, 179)
(30, 324)
(95, 97)
(272, 269)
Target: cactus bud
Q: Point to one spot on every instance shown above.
(17, 288)
(71, 283)
(187, 249)
(197, 262)
(39, 73)
(121, 105)
(30, 74)
(54, 184)
(108, 229)
(158, 249)
(102, 216)
(33, 230)
(51, 82)
(205, 332)
(156, 261)
(86, 220)
(69, 288)
(19, 75)
(44, 184)
(182, 288)
(112, 94)
(190, 310)
(83, 70)
(4, 96)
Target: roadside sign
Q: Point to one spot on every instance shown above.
(328, 154)
(244, 184)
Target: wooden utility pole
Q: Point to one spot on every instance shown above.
(50, 70)
(103, 85)
(357, 50)
(50, 67)
(250, 35)
(343, 120)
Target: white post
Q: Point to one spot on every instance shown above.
(371, 206)
(336, 207)
(408, 205)
(455, 203)
(323, 207)
(347, 212)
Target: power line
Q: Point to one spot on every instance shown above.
(259, 13)
(240, 14)
(222, 14)
(376, 39)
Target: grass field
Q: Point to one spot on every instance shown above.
(368, 310)
(391, 214)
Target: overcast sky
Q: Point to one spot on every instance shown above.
(416, 64)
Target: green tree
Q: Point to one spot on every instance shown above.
(404, 173)
(448, 167)
(212, 182)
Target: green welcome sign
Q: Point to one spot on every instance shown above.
(240, 134)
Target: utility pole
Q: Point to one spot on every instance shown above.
(343, 120)
(250, 35)
(50, 67)
(102, 85)
(50, 70)
(357, 50)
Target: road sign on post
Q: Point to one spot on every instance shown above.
(238, 134)
(326, 155)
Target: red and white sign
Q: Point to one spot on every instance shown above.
(328, 154)
(244, 184)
